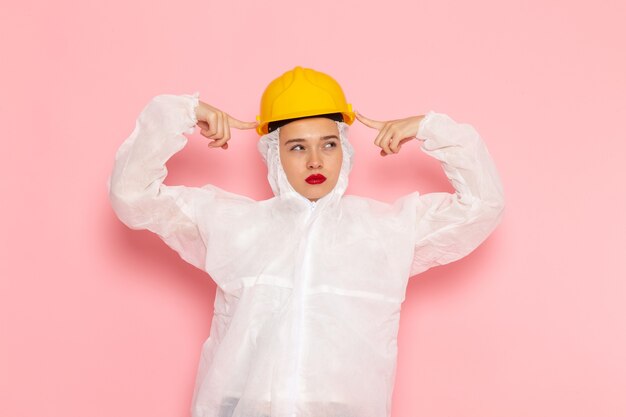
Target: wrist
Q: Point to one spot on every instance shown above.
(198, 111)
(423, 120)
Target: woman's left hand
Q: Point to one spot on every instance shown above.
(393, 133)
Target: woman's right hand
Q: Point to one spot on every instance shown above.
(215, 124)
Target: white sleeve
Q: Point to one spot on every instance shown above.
(136, 190)
(450, 226)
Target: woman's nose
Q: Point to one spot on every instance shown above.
(314, 161)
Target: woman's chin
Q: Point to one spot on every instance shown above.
(314, 192)
(312, 196)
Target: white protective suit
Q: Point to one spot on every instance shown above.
(308, 294)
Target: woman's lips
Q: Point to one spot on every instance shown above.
(315, 179)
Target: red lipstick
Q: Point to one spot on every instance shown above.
(315, 179)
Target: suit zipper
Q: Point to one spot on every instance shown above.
(299, 334)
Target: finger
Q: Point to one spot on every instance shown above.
(238, 124)
(388, 134)
(219, 143)
(204, 128)
(396, 142)
(224, 138)
(226, 132)
(393, 144)
(218, 128)
(212, 121)
(219, 134)
(384, 142)
(227, 127)
(374, 124)
(381, 134)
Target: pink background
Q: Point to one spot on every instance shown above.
(98, 320)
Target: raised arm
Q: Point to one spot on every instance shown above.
(450, 226)
(136, 190)
(447, 226)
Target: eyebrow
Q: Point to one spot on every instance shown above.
(304, 140)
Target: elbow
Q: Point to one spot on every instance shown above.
(494, 210)
(122, 207)
(125, 189)
(493, 201)
(119, 195)
(497, 205)
(126, 205)
(490, 210)
(499, 202)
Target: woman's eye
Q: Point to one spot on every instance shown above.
(331, 144)
(296, 146)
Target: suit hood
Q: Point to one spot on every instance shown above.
(268, 147)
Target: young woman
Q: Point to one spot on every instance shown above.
(309, 282)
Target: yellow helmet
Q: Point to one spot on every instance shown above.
(302, 92)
